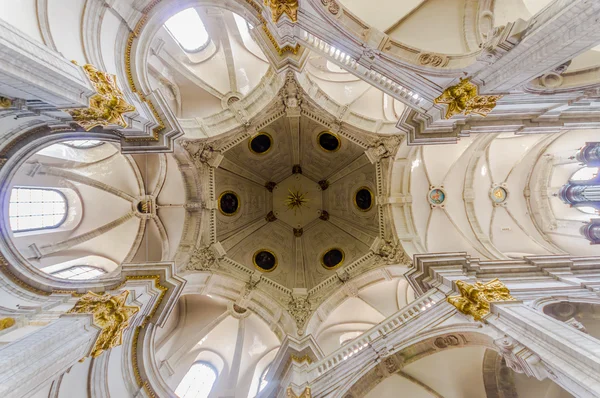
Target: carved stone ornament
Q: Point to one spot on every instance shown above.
(299, 308)
(384, 147)
(291, 94)
(446, 341)
(110, 314)
(392, 253)
(280, 7)
(202, 259)
(522, 360)
(432, 59)
(463, 98)
(574, 323)
(332, 6)
(305, 394)
(107, 106)
(200, 152)
(475, 299)
(6, 323)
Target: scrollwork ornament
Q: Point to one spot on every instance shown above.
(384, 147)
(280, 7)
(5, 102)
(431, 59)
(463, 98)
(107, 106)
(6, 323)
(202, 259)
(201, 153)
(299, 308)
(392, 253)
(110, 314)
(475, 299)
(332, 6)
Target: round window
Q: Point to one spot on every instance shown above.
(260, 144)
(265, 260)
(333, 258)
(363, 199)
(229, 203)
(329, 141)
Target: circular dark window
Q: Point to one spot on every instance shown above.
(229, 203)
(329, 141)
(363, 199)
(261, 143)
(333, 258)
(265, 260)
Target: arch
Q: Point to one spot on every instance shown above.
(198, 381)
(436, 341)
(39, 136)
(36, 209)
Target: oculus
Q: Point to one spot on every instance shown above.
(260, 144)
(363, 199)
(329, 141)
(498, 195)
(229, 203)
(332, 258)
(265, 260)
(436, 196)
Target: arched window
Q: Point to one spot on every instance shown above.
(187, 29)
(585, 174)
(198, 381)
(79, 272)
(36, 208)
(263, 380)
(83, 144)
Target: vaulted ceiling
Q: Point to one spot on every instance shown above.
(297, 237)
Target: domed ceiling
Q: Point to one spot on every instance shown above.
(296, 201)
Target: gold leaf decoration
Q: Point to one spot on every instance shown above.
(5, 323)
(107, 106)
(305, 394)
(296, 200)
(475, 299)
(110, 314)
(280, 7)
(5, 102)
(464, 98)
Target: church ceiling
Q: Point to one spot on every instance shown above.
(295, 202)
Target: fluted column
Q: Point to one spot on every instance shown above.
(41, 356)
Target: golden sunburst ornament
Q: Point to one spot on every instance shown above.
(296, 199)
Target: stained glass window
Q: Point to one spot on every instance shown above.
(36, 208)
